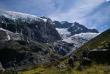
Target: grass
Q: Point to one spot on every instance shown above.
(98, 42)
(34, 71)
(94, 69)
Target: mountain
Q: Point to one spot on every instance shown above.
(76, 28)
(29, 27)
(99, 41)
(16, 54)
(74, 33)
(62, 24)
(28, 40)
(72, 28)
(25, 39)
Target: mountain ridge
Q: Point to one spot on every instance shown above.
(99, 41)
(73, 28)
(35, 28)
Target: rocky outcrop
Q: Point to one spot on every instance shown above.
(61, 47)
(6, 35)
(100, 55)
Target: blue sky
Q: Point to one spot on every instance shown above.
(91, 13)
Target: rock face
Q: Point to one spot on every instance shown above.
(18, 53)
(29, 28)
(6, 35)
(100, 55)
(23, 39)
(62, 48)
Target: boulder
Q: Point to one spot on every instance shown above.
(86, 62)
(100, 55)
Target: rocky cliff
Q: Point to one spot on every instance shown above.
(24, 39)
(29, 27)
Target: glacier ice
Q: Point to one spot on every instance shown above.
(18, 15)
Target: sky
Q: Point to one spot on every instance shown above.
(90, 13)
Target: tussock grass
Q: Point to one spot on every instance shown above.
(94, 69)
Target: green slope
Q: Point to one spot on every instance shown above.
(98, 42)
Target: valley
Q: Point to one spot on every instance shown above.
(33, 45)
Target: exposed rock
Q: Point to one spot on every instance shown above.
(29, 28)
(6, 35)
(100, 55)
(86, 62)
(62, 47)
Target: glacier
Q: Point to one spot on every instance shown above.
(18, 15)
(87, 35)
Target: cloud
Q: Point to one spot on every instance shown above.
(36, 7)
(107, 0)
(87, 12)
(82, 8)
(91, 13)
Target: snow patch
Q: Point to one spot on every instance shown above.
(67, 39)
(45, 20)
(8, 36)
(63, 31)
